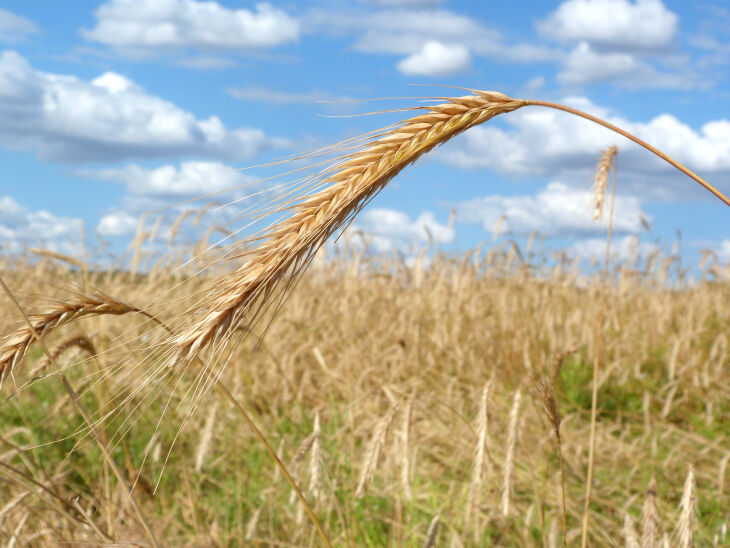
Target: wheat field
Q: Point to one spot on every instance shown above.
(390, 362)
(443, 400)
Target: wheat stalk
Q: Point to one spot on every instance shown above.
(315, 462)
(650, 518)
(406, 448)
(509, 460)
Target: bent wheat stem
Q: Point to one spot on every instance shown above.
(691, 174)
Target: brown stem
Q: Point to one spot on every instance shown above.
(724, 199)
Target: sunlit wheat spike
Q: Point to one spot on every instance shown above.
(372, 454)
(15, 346)
(433, 532)
(688, 509)
(315, 460)
(630, 537)
(480, 459)
(509, 460)
(290, 244)
(205, 438)
(601, 180)
(650, 518)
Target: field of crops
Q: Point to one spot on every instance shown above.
(443, 402)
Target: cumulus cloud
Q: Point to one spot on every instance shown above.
(585, 65)
(21, 227)
(119, 223)
(643, 25)
(14, 27)
(64, 118)
(542, 142)
(557, 210)
(390, 230)
(436, 59)
(167, 25)
(169, 190)
(168, 182)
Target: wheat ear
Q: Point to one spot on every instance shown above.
(601, 180)
(480, 459)
(373, 453)
(16, 345)
(289, 245)
(630, 537)
(352, 183)
(687, 517)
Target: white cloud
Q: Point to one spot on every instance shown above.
(21, 227)
(191, 179)
(643, 25)
(165, 25)
(119, 223)
(585, 65)
(265, 95)
(436, 59)
(109, 118)
(557, 210)
(544, 142)
(389, 230)
(14, 27)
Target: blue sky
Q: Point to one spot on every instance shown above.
(112, 108)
